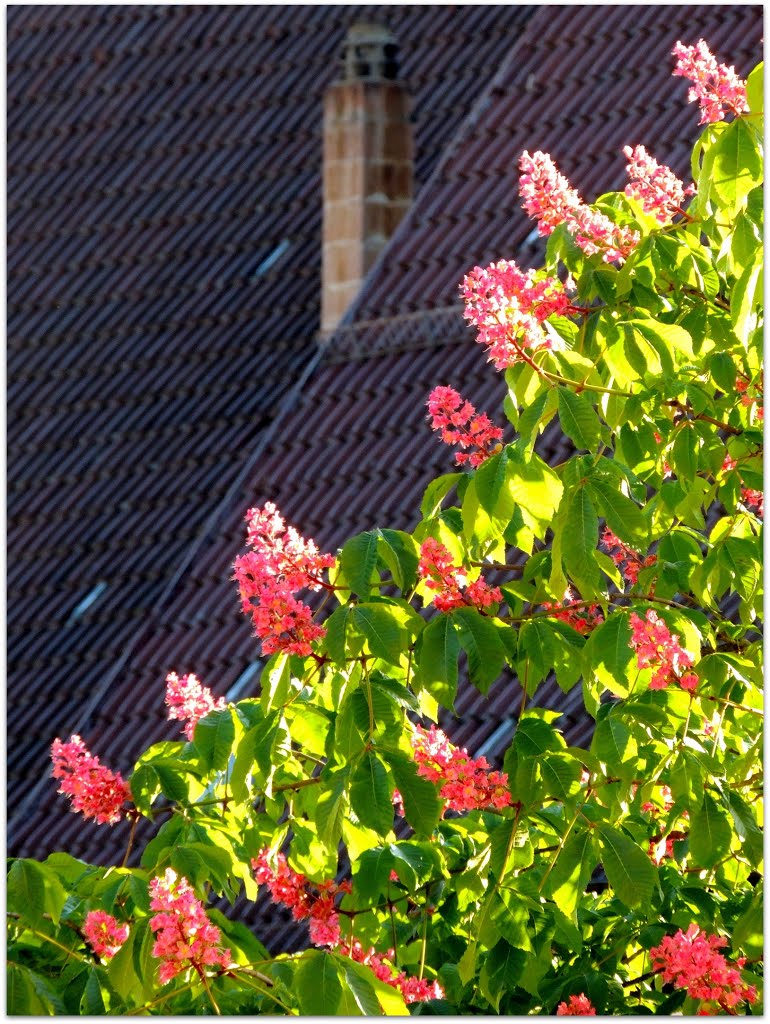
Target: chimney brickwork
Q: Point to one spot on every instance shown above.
(367, 167)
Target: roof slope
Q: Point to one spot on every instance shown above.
(351, 448)
(164, 213)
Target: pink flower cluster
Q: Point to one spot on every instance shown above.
(449, 582)
(578, 1006)
(583, 618)
(188, 701)
(549, 198)
(625, 558)
(655, 185)
(306, 899)
(184, 935)
(508, 308)
(94, 790)
(280, 563)
(459, 423)
(656, 648)
(715, 86)
(103, 933)
(690, 960)
(316, 901)
(414, 990)
(466, 784)
(754, 501)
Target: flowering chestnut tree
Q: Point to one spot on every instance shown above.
(621, 878)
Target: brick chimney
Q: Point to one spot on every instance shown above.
(367, 165)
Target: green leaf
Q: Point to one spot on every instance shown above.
(275, 682)
(214, 738)
(748, 932)
(581, 530)
(331, 807)
(21, 998)
(481, 642)
(755, 89)
(26, 891)
(684, 454)
(370, 794)
(371, 873)
(145, 787)
(390, 999)
(573, 865)
(608, 656)
(736, 167)
(422, 806)
(400, 552)
(435, 493)
(561, 775)
(624, 517)
(318, 985)
(503, 966)
(537, 415)
(439, 650)
(536, 647)
(348, 740)
(358, 562)
(687, 781)
(537, 491)
(361, 989)
(509, 852)
(336, 627)
(613, 742)
(382, 630)
(710, 833)
(629, 870)
(746, 826)
(120, 969)
(92, 1001)
(746, 304)
(578, 419)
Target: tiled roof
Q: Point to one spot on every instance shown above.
(164, 214)
(159, 156)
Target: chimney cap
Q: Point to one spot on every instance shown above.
(370, 52)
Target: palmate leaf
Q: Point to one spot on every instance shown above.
(318, 986)
(422, 805)
(581, 535)
(481, 642)
(370, 793)
(578, 419)
(629, 870)
(358, 562)
(711, 833)
(439, 648)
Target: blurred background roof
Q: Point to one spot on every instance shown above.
(164, 372)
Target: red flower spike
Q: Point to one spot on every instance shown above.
(449, 582)
(104, 934)
(550, 199)
(459, 423)
(184, 935)
(188, 701)
(508, 307)
(94, 790)
(690, 960)
(280, 563)
(578, 1006)
(466, 784)
(656, 648)
(715, 86)
(655, 185)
